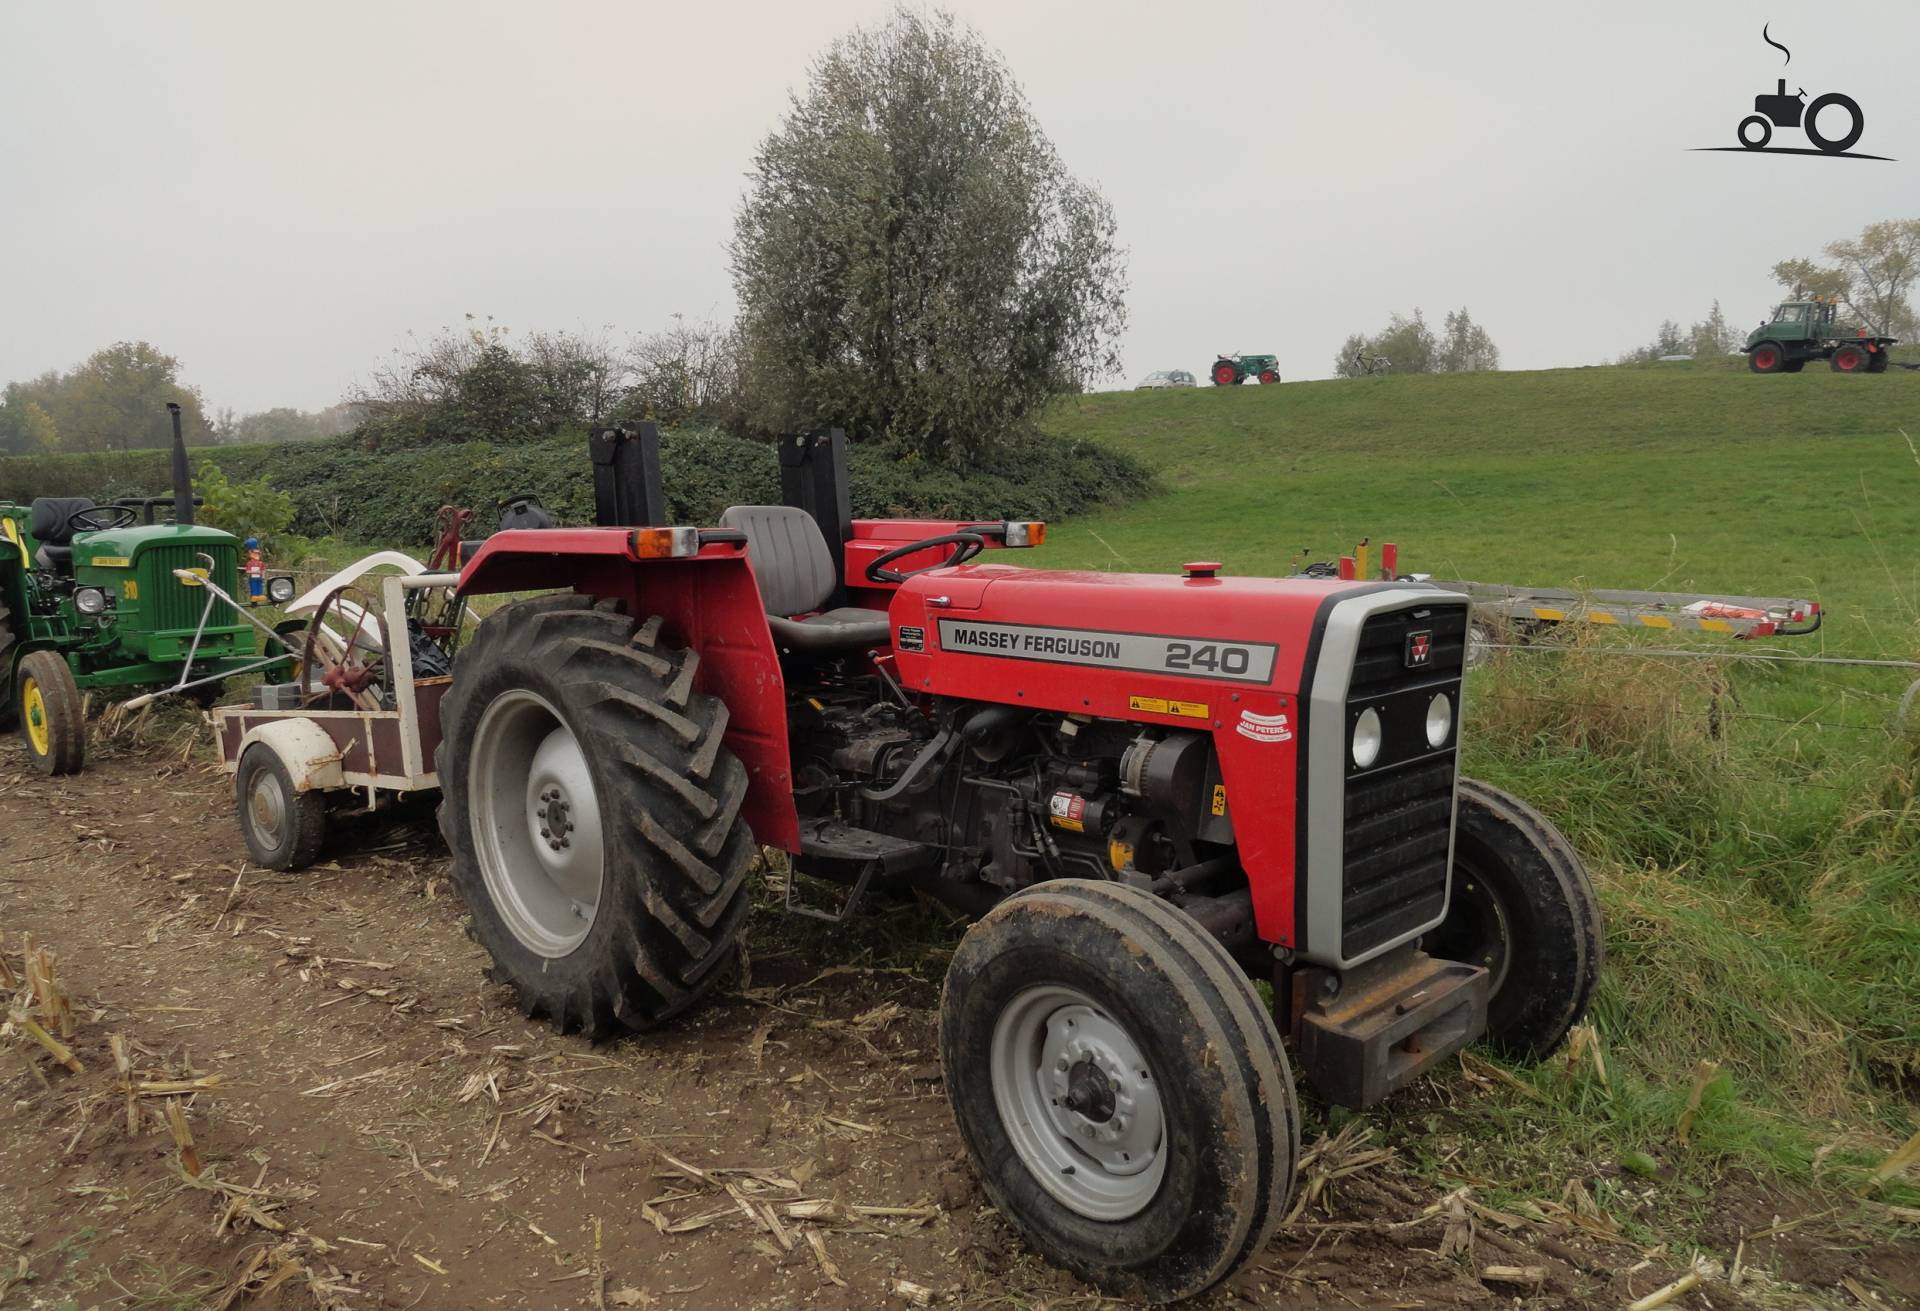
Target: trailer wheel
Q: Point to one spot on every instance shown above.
(1120, 1088)
(284, 828)
(1521, 905)
(593, 815)
(52, 719)
(1766, 358)
(1225, 374)
(1848, 359)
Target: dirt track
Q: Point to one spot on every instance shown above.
(389, 1132)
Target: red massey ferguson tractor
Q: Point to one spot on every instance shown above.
(1153, 791)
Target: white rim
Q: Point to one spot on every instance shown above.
(536, 824)
(1079, 1103)
(267, 808)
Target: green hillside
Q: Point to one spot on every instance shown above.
(1667, 476)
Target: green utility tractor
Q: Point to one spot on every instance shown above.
(103, 596)
(1232, 370)
(1803, 330)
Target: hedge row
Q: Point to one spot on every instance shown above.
(343, 490)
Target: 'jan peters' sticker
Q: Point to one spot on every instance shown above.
(1264, 728)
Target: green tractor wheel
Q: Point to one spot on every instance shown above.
(51, 714)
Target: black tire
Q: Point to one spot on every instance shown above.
(1522, 905)
(1844, 142)
(1793, 366)
(1877, 362)
(1213, 1058)
(53, 721)
(671, 898)
(1849, 359)
(1268, 376)
(1766, 357)
(8, 710)
(283, 828)
(1766, 132)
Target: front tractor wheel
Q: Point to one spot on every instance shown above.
(1766, 358)
(1521, 905)
(52, 716)
(1225, 374)
(1120, 1087)
(1268, 376)
(1849, 359)
(593, 815)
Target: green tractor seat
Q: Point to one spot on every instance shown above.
(47, 524)
(796, 576)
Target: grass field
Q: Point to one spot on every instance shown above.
(1752, 828)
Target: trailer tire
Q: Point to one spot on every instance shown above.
(1848, 359)
(1522, 905)
(283, 827)
(53, 720)
(1169, 1029)
(645, 916)
(1766, 357)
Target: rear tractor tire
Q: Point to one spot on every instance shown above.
(1523, 906)
(1877, 362)
(284, 828)
(9, 709)
(1120, 1087)
(1225, 374)
(593, 814)
(1848, 359)
(52, 716)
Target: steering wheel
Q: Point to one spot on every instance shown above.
(102, 518)
(965, 547)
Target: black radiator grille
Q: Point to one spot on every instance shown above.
(1398, 817)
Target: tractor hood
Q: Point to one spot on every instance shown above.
(966, 631)
(127, 542)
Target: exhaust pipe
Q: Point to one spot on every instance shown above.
(182, 479)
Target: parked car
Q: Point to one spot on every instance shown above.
(1168, 378)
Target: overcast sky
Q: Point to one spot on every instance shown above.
(278, 194)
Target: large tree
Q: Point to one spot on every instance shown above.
(911, 258)
(1873, 275)
(1410, 346)
(116, 400)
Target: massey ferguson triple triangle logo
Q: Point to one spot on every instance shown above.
(1419, 648)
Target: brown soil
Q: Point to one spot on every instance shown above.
(387, 1131)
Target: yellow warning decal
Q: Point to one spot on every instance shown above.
(1155, 705)
(111, 562)
(1219, 798)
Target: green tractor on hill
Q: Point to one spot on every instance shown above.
(1232, 370)
(1803, 330)
(103, 596)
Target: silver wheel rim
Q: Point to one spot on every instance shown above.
(1079, 1103)
(536, 824)
(267, 807)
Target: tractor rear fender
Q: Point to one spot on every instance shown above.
(311, 757)
(709, 603)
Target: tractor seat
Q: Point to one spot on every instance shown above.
(796, 576)
(47, 524)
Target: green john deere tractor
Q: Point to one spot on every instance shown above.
(103, 596)
(1232, 370)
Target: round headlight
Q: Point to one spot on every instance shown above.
(89, 600)
(1366, 737)
(280, 589)
(1439, 720)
